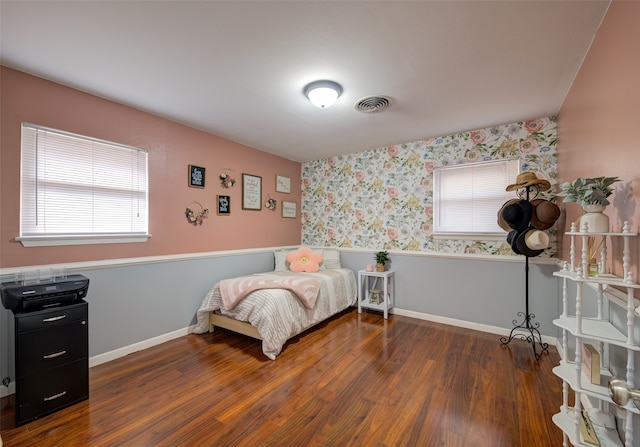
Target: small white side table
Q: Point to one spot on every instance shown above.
(383, 281)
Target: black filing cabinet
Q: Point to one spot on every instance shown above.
(52, 360)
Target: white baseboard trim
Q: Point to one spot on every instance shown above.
(7, 390)
(465, 324)
(145, 344)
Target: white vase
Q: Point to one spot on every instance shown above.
(596, 220)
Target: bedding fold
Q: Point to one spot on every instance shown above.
(234, 290)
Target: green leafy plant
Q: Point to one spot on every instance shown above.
(588, 191)
(382, 257)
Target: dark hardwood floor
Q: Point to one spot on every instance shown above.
(355, 380)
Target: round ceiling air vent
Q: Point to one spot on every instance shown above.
(372, 104)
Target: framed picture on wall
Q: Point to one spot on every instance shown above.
(196, 176)
(288, 209)
(251, 192)
(224, 205)
(283, 184)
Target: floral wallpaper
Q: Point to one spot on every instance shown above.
(383, 198)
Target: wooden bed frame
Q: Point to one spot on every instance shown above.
(240, 327)
(244, 328)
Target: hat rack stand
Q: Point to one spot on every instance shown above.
(527, 330)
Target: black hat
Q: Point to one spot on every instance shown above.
(511, 240)
(518, 215)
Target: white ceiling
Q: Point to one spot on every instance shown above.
(237, 68)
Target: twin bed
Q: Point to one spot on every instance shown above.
(277, 305)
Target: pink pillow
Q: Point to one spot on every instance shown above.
(304, 260)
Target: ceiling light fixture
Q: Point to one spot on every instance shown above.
(323, 93)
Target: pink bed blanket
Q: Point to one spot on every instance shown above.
(233, 290)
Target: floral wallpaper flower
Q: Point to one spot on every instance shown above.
(383, 198)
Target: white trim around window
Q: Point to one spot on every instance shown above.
(81, 190)
(468, 196)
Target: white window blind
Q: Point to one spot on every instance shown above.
(78, 186)
(467, 197)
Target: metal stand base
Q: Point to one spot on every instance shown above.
(531, 334)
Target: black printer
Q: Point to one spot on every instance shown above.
(19, 297)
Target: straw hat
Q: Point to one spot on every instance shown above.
(529, 179)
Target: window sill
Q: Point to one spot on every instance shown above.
(471, 236)
(52, 241)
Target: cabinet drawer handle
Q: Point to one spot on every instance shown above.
(54, 355)
(49, 320)
(55, 396)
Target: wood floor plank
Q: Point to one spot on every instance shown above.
(355, 380)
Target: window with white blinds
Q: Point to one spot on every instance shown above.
(467, 197)
(79, 187)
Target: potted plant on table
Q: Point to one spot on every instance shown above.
(588, 191)
(591, 194)
(381, 259)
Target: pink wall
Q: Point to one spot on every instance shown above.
(599, 120)
(172, 147)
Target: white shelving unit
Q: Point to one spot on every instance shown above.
(596, 329)
(384, 282)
